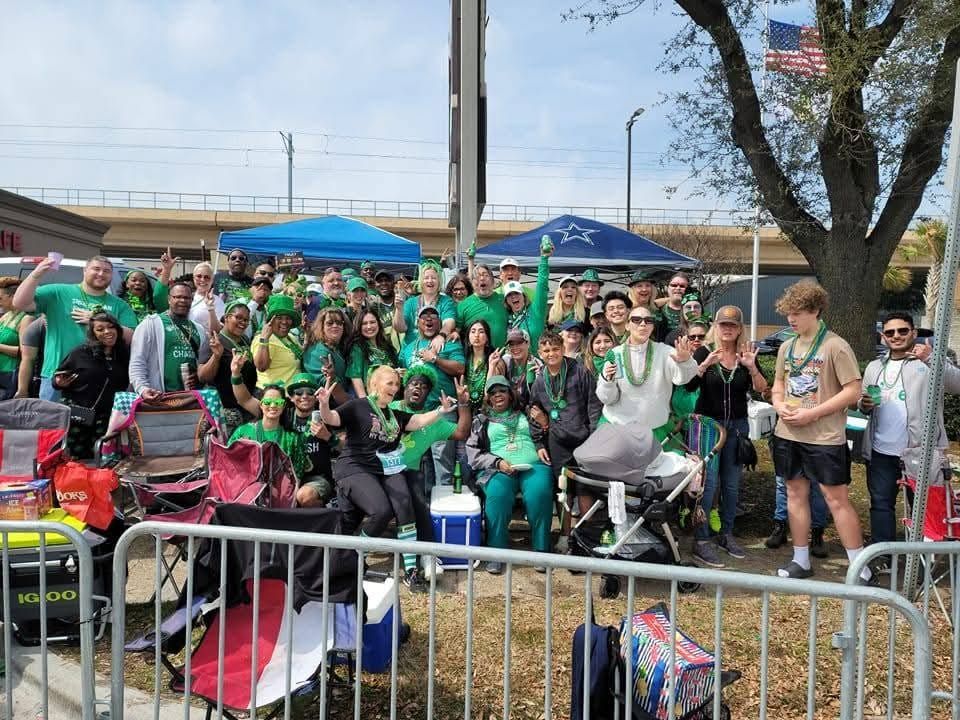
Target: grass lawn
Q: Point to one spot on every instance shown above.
(741, 649)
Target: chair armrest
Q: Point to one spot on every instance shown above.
(98, 448)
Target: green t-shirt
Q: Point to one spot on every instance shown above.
(230, 289)
(410, 357)
(360, 362)
(290, 442)
(313, 359)
(511, 440)
(179, 339)
(491, 309)
(9, 335)
(160, 303)
(416, 444)
(63, 333)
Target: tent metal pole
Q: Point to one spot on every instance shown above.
(933, 404)
(469, 102)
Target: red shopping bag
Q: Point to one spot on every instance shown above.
(84, 492)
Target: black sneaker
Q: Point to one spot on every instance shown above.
(779, 535)
(818, 548)
(705, 553)
(733, 548)
(415, 582)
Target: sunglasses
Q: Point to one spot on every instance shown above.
(273, 402)
(642, 320)
(902, 332)
(238, 257)
(302, 392)
(696, 337)
(333, 322)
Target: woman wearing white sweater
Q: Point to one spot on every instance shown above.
(638, 376)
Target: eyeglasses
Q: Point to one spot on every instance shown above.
(642, 320)
(901, 331)
(302, 392)
(696, 337)
(273, 402)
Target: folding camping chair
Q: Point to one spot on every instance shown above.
(33, 436)
(162, 442)
(228, 665)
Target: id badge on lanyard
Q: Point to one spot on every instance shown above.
(392, 461)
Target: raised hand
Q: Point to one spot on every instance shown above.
(748, 357)
(609, 370)
(43, 267)
(167, 260)
(216, 347)
(495, 357)
(237, 362)
(209, 300)
(326, 392)
(447, 403)
(463, 391)
(682, 353)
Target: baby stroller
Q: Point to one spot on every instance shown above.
(644, 490)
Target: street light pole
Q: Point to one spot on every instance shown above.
(633, 118)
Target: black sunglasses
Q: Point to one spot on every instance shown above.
(696, 337)
(902, 332)
(302, 392)
(641, 320)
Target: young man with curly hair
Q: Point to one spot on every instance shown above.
(817, 379)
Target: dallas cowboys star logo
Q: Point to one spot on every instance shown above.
(581, 234)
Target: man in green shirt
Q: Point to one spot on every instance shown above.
(484, 304)
(68, 309)
(235, 283)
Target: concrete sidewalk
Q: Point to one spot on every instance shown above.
(63, 691)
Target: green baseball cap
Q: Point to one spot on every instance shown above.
(357, 283)
(496, 380)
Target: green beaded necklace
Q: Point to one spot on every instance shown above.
(391, 427)
(628, 364)
(555, 394)
(795, 368)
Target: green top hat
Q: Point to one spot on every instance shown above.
(282, 305)
(591, 275)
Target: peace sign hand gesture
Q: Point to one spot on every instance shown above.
(463, 392)
(237, 362)
(326, 392)
(447, 403)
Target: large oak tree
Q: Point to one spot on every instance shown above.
(841, 161)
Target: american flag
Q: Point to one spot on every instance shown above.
(795, 49)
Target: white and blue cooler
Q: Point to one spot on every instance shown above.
(379, 624)
(456, 521)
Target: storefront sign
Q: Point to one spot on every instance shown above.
(11, 241)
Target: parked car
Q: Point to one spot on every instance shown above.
(70, 272)
(770, 344)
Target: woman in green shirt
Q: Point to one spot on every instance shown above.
(269, 429)
(369, 349)
(12, 322)
(324, 357)
(503, 452)
(143, 300)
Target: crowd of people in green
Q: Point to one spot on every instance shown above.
(378, 388)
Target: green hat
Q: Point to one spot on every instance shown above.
(591, 275)
(692, 296)
(347, 273)
(234, 304)
(301, 380)
(494, 381)
(366, 264)
(422, 370)
(641, 276)
(282, 305)
(357, 283)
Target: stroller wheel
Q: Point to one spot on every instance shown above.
(688, 587)
(609, 586)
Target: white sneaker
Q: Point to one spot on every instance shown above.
(431, 567)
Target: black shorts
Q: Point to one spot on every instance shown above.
(825, 464)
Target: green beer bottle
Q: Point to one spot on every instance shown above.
(457, 479)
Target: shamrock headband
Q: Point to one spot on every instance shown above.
(429, 263)
(691, 297)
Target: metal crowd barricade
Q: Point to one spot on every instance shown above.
(478, 632)
(26, 688)
(939, 604)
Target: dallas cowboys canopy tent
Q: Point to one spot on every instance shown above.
(333, 239)
(580, 243)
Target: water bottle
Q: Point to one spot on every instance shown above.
(457, 479)
(545, 244)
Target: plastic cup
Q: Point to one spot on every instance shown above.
(57, 259)
(874, 392)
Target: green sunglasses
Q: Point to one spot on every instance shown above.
(273, 402)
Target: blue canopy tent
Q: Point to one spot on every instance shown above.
(331, 239)
(580, 243)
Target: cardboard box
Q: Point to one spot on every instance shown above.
(14, 495)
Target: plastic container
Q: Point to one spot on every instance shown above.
(376, 630)
(456, 521)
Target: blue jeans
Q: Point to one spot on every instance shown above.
(48, 391)
(725, 474)
(818, 506)
(883, 474)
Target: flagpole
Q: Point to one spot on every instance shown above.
(755, 268)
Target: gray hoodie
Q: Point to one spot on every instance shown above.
(147, 351)
(915, 376)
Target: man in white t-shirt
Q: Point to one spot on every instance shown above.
(894, 395)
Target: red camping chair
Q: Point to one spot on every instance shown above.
(33, 437)
(245, 473)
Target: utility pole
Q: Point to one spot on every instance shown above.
(633, 118)
(288, 148)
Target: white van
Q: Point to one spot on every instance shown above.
(70, 272)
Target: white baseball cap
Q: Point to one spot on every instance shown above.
(315, 288)
(512, 287)
(509, 261)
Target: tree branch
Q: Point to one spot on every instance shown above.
(805, 230)
(922, 151)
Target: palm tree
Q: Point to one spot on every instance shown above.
(931, 241)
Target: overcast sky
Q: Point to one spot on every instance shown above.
(363, 87)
